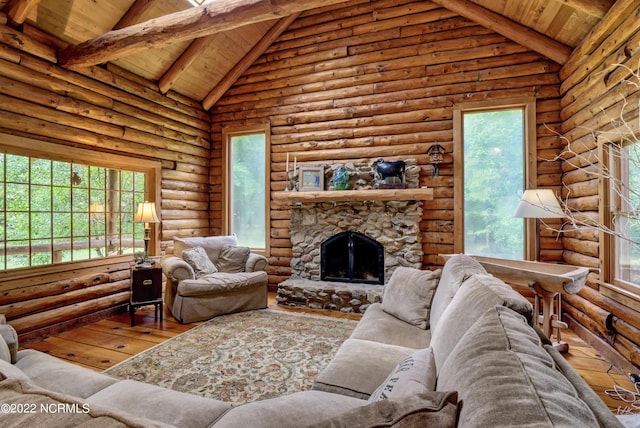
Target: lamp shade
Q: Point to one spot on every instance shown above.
(539, 203)
(146, 213)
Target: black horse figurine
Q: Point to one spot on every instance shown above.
(390, 169)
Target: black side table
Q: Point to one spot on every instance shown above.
(146, 289)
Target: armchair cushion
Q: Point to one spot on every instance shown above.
(233, 259)
(198, 259)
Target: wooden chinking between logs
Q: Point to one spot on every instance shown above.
(339, 85)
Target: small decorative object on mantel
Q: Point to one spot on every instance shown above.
(436, 156)
(392, 174)
(311, 178)
(341, 178)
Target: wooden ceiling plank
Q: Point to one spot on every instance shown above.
(18, 10)
(181, 26)
(597, 8)
(246, 62)
(183, 62)
(133, 14)
(518, 33)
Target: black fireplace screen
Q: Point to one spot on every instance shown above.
(352, 257)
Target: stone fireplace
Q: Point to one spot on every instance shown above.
(343, 251)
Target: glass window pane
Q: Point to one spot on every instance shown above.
(247, 199)
(627, 221)
(493, 182)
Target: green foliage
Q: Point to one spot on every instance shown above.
(53, 211)
(248, 198)
(493, 182)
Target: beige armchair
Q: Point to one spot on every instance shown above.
(211, 276)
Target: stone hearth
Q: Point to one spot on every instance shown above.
(337, 296)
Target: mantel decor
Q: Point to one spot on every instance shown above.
(311, 178)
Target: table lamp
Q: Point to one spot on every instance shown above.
(146, 214)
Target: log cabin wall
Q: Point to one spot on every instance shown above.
(594, 95)
(103, 110)
(380, 79)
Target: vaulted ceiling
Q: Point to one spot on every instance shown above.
(198, 52)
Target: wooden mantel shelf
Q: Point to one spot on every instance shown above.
(357, 195)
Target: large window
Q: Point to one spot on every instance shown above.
(247, 186)
(493, 143)
(61, 208)
(625, 214)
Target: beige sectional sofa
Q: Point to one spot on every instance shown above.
(445, 348)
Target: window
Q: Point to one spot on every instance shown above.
(493, 141)
(247, 186)
(625, 214)
(66, 208)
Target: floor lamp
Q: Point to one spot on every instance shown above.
(146, 214)
(543, 203)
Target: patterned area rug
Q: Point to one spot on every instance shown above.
(242, 357)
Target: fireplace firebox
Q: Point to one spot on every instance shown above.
(352, 257)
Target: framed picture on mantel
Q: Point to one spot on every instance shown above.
(311, 178)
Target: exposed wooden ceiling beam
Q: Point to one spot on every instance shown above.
(18, 10)
(518, 33)
(181, 26)
(183, 62)
(133, 14)
(597, 8)
(242, 66)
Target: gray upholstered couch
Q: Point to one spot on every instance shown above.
(211, 276)
(462, 353)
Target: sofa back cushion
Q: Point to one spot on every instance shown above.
(477, 294)
(409, 293)
(457, 269)
(212, 244)
(504, 377)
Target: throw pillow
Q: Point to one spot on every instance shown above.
(432, 409)
(416, 374)
(233, 259)
(199, 260)
(408, 295)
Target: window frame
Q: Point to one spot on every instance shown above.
(228, 132)
(24, 146)
(618, 289)
(528, 104)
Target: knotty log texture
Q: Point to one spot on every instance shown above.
(350, 84)
(180, 26)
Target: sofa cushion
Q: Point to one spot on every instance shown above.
(161, 404)
(378, 326)
(42, 408)
(233, 259)
(359, 367)
(432, 409)
(415, 374)
(289, 411)
(477, 294)
(408, 295)
(199, 260)
(49, 372)
(5, 353)
(10, 371)
(504, 377)
(221, 282)
(454, 272)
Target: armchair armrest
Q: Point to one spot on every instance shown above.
(256, 262)
(177, 269)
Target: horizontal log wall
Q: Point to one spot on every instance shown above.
(379, 79)
(103, 110)
(594, 95)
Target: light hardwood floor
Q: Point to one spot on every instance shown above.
(103, 344)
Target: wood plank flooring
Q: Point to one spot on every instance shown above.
(103, 344)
